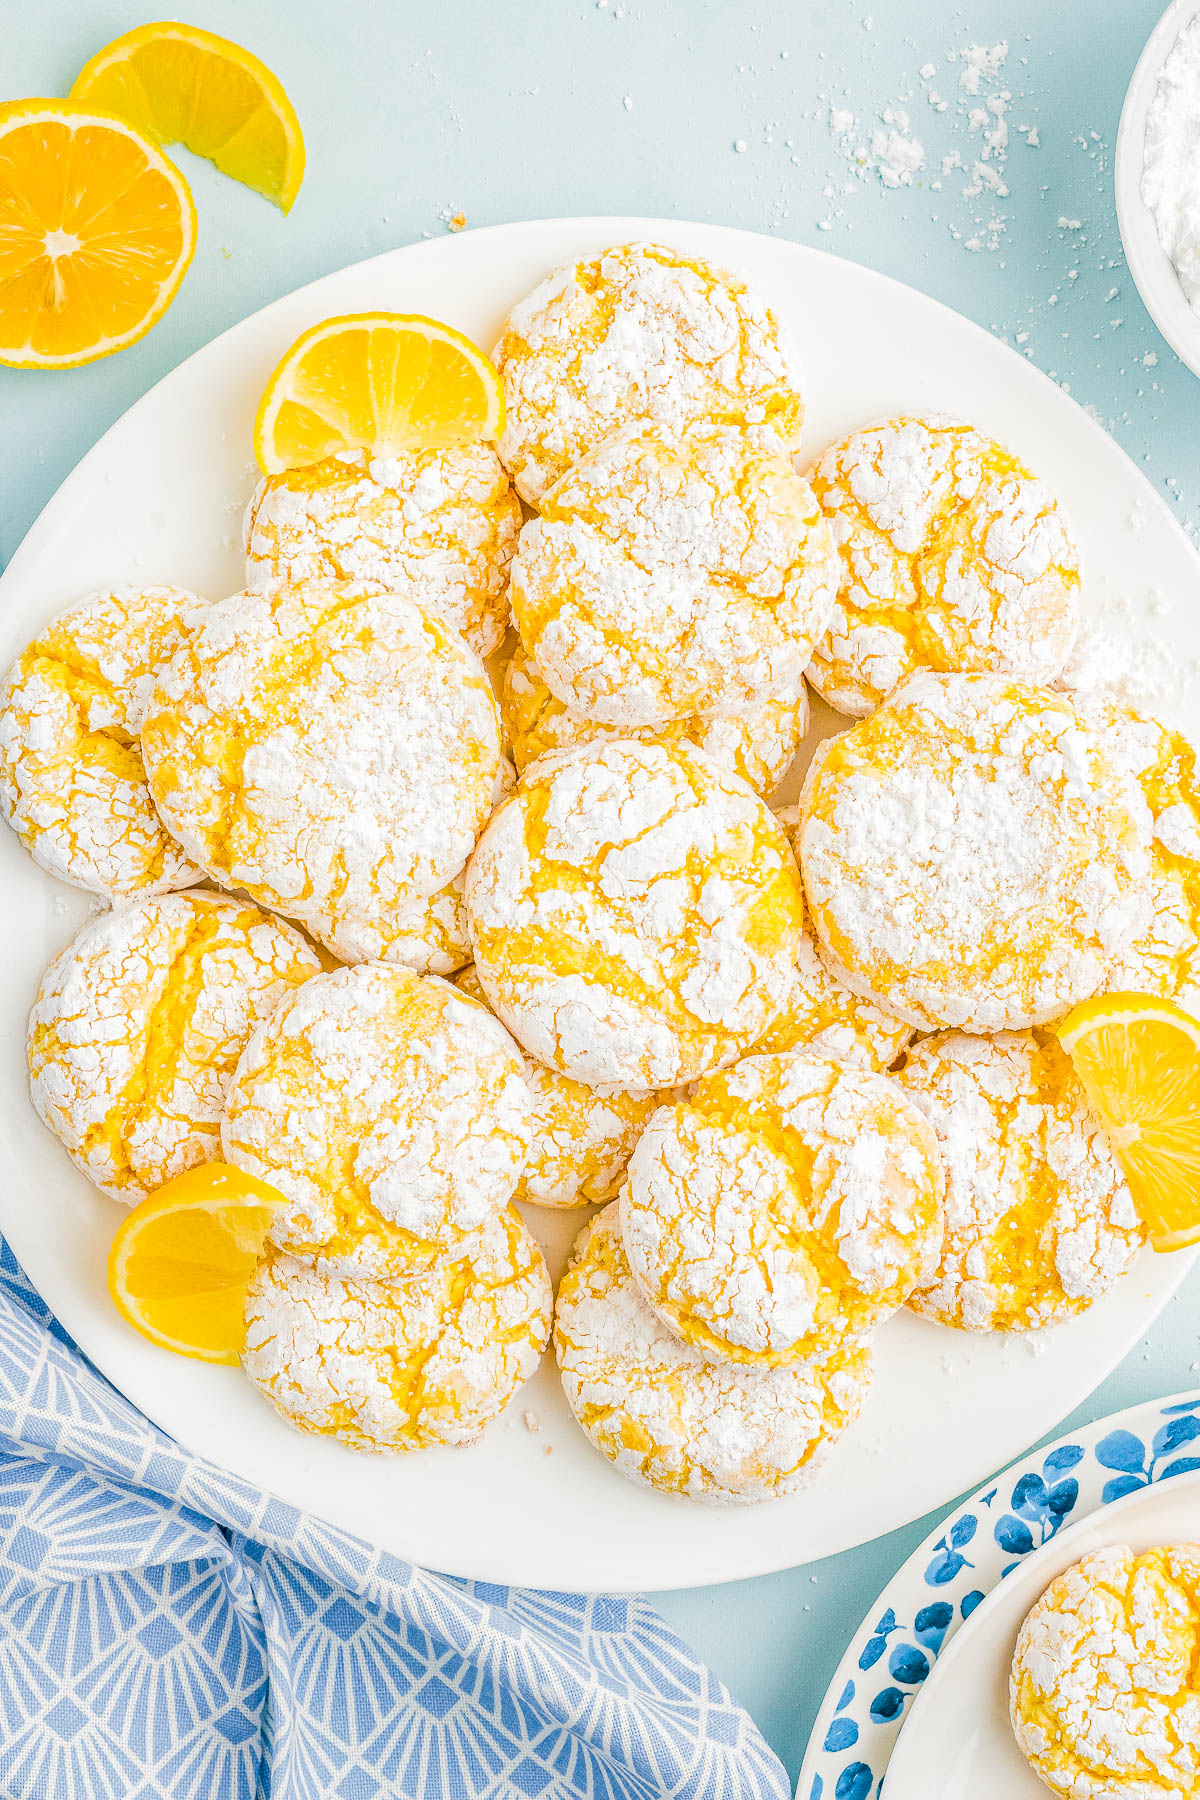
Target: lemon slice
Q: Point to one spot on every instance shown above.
(383, 382)
(97, 229)
(180, 1260)
(185, 86)
(1138, 1058)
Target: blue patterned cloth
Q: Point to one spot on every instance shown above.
(169, 1633)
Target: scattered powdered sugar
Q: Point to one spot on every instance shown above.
(189, 971)
(1103, 1695)
(389, 1110)
(635, 913)
(640, 333)
(1039, 1220)
(782, 1207)
(428, 1357)
(674, 576)
(666, 1415)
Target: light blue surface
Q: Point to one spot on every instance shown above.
(502, 111)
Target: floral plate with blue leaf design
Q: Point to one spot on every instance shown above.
(962, 1561)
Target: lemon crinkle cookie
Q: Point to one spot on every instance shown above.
(139, 1024)
(1165, 959)
(637, 333)
(825, 1018)
(672, 576)
(666, 1415)
(335, 755)
(972, 854)
(389, 1110)
(582, 1136)
(953, 557)
(1103, 1693)
(72, 783)
(759, 745)
(1038, 1219)
(441, 523)
(635, 913)
(786, 1205)
(427, 1358)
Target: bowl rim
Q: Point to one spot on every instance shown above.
(1153, 272)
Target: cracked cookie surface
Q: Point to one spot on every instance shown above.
(1039, 1220)
(639, 332)
(672, 576)
(972, 854)
(1104, 1693)
(783, 1207)
(139, 1024)
(635, 913)
(427, 1358)
(72, 782)
(953, 556)
(664, 1415)
(439, 523)
(335, 755)
(391, 1112)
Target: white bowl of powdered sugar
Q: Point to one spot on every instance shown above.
(1158, 178)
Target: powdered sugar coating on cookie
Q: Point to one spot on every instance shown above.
(429, 1358)
(1102, 1692)
(139, 1024)
(759, 745)
(953, 557)
(638, 333)
(665, 1415)
(440, 524)
(635, 913)
(782, 1207)
(72, 782)
(972, 855)
(389, 1110)
(582, 1136)
(1165, 959)
(672, 576)
(335, 755)
(1039, 1221)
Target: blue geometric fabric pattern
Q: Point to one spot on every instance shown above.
(169, 1633)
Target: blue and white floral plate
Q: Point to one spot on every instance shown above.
(961, 1561)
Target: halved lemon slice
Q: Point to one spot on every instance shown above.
(1138, 1058)
(97, 229)
(383, 382)
(180, 1261)
(186, 86)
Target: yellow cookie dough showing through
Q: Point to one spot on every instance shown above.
(335, 755)
(953, 557)
(582, 1136)
(1039, 1220)
(973, 856)
(760, 746)
(671, 576)
(783, 1207)
(439, 524)
(639, 333)
(635, 913)
(72, 783)
(428, 1358)
(1165, 959)
(1104, 1693)
(665, 1415)
(139, 1024)
(389, 1110)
